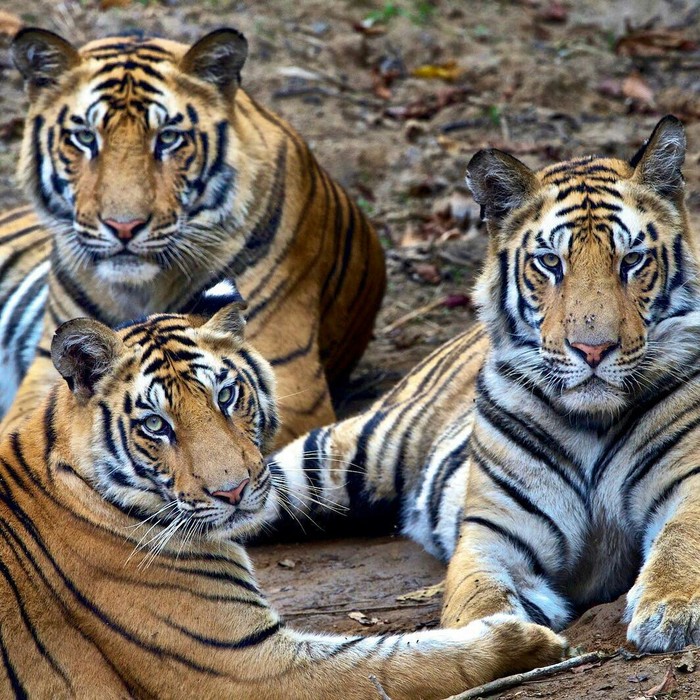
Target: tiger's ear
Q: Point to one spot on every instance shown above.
(83, 351)
(499, 182)
(218, 59)
(659, 161)
(42, 57)
(227, 324)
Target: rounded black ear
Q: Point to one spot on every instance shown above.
(83, 351)
(227, 324)
(42, 57)
(218, 59)
(499, 182)
(659, 161)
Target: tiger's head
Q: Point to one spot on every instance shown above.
(169, 419)
(590, 289)
(130, 150)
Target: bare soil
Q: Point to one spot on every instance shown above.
(543, 79)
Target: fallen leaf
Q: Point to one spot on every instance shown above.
(429, 106)
(638, 678)
(686, 664)
(610, 87)
(554, 12)
(109, 4)
(455, 301)
(369, 29)
(9, 24)
(448, 71)
(635, 88)
(287, 564)
(427, 272)
(667, 685)
(411, 236)
(586, 667)
(430, 591)
(363, 619)
(653, 42)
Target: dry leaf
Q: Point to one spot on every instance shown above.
(653, 42)
(449, 71)
(635, 88)
(427, 272)
(586, 667)
(363, 619)
(423, 593)
(109, 4)
(686, 664)
(665, 687)
(554, 12)
(287, 564)
(9, 24)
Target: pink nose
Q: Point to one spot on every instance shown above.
(233, 496)
(594, 354)
(124, 229)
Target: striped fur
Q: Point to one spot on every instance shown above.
(548, 481)
(121, 571)
(151, 131)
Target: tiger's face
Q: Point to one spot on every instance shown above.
(172, 419)
(591, 285)
(129, 149)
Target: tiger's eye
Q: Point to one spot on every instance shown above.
(154, 423)
(168, 137)
(550, 260)
(632, 259)
(226, 395)
(85, 137)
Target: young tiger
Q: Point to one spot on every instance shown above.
(155, 176)
(551, 453)
(154, 442)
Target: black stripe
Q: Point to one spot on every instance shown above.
(249, 641)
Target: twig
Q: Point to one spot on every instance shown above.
(413, 314)
(378, 686)
(511, 681)
(364, 608)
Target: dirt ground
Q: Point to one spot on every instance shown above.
(395, 97)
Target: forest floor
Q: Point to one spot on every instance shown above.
(394, 98)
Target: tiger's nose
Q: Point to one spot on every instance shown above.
(234, 495)
(125, 230)
(594, 354)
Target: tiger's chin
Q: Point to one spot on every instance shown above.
(594, 399)
(127, 270)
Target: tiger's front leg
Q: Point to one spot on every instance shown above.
(663, 606)
(511, 553)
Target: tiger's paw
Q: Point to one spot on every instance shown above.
(662, 623)
(529, 645)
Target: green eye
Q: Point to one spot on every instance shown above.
(227, 395)
(550, 260)
(155, 424)
(168, 138)
(631, 259)
(84, 137)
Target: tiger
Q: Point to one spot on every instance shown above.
(125, 499)
(155, 176)
(549, 455)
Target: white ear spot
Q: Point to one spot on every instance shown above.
(221, 289)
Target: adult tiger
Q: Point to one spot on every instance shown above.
(155, 442)
(158, 176)
(551, 454)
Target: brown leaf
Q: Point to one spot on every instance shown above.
(109, 4)
(423, 593)
(411, 236)
(667, 685)
(635, 88)
(287, 563)
(586, 667)
(428, 106)
(455, 301)
(554, 12)
(653, 42)
(9, 24)
(363, 619)
(427, 272)
(369, 29)
(448, 71)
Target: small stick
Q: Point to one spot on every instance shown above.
(378, 686)
(511, 681)
(416, 313)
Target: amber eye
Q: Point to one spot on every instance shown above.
(168, 139)
(631, 259)
(155, 424)
(84, 137)
(227, 395)
(550, 260)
